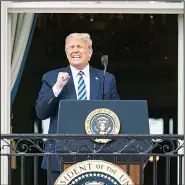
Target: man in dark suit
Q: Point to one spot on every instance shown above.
(76, 81)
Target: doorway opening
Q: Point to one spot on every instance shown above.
(142, 52)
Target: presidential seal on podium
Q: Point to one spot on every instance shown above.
(94, 172)
(101, 122)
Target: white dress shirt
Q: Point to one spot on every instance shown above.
(76, 77)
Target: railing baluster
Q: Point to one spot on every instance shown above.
(101, 157)
(115, 158)
(9, 170)
(180, 170)
(128, 168)
(61, 164)
(88, 157)
(75, 159)
(167, 170)
(154, 170)
(128, 157)
(49, 170)
(141, 170)
(22, 170)
(35, 170)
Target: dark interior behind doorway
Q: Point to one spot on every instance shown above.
(142, 52)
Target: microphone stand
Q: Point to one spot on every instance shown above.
(104, 60)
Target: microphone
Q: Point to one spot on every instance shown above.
(104, 61)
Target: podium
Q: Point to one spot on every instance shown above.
(109, 117)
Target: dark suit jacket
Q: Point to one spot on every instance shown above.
(47, 103)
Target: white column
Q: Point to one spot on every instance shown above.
(181, 85)
(5, 89)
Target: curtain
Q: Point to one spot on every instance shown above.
(22, 30)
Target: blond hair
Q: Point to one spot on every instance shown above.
(81, 36)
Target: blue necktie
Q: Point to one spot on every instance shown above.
(82, 94)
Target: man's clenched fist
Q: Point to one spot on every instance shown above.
(62, 79)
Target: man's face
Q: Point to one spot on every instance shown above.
(78, 53)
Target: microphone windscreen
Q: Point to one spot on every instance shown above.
(104, 60)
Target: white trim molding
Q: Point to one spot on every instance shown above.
(5, 89)
(181, 87)
(144, 7)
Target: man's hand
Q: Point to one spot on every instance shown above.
(62, 79)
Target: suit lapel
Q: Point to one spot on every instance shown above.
(94, 84)
(70, 85)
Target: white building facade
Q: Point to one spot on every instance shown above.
(132, 7)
